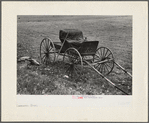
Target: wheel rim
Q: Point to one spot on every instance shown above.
(47, 51)
(72, 63)
(104, 54)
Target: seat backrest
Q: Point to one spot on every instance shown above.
(88, 48)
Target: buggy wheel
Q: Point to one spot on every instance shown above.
(104, 59)
(47, 51)
(72, 63)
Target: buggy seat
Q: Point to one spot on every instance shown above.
(73, 36)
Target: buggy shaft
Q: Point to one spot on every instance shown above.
(106, 78)
(123, 69)
(100, 62)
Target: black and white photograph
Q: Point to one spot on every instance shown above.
(74, 55)
(74, 61)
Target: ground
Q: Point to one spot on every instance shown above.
(114, 32)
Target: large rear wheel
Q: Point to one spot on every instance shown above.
(104, 60)
(47, 51)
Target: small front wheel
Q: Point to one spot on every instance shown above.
(72, 62)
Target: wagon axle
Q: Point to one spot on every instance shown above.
(102, 61)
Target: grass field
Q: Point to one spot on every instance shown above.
(114, 32)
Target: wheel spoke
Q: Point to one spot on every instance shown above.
(98, 65)
(44, 44)
(109, 55)
(107, 68)
(43, 57)
(50, 49)
(106, 52)
(97, 56)
(43, 48)
(47, 44)
(42, 52)
(100, 68)
(108, 65)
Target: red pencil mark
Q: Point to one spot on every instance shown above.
(80, 97)
(76, 97)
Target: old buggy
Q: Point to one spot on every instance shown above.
(78, 52)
